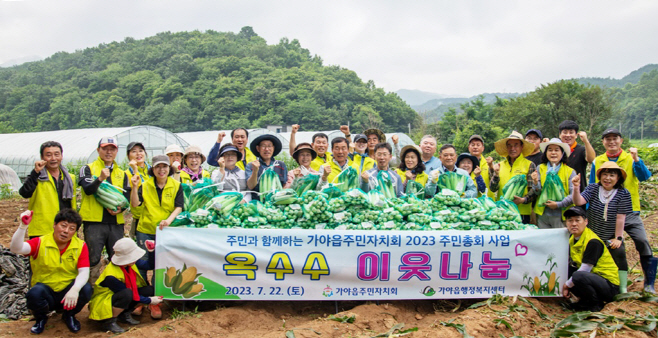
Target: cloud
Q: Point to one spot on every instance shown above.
(448, 47)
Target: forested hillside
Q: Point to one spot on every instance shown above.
(191, 81)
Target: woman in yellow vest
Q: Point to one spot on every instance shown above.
(137, 166)
(360, 159)
(554, 160)
(514, 148)
(60, 269)
(193, 159)
(609, 203)
(121, 287)
(162, 200)
(595, 281)
(411, 167)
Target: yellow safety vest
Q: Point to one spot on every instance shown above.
(520, 167)
(44, 204)
(156, 210)
(52, 269)
(319, 161)
(420, 178)
(564, 174)
(368, 163)
(248, 158)
(484, 172)
(100, 305)
(144, 175)
(632, 184)
(187, 179)
(605, 266)
(90, 209)
(335, 169)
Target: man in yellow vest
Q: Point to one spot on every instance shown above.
(50, 189)
(320, 143)
(60, 269)
(593, 273)
(636, 172)
(102, 227)
(340, 160)
(514, 148)
(476, 148)
(239, 138)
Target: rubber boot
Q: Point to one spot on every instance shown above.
(650, 275)
(125, 317)
(112, 326)
(41, 317)
(623, 281)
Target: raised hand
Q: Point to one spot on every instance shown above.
(39, 165)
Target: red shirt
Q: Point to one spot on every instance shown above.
(83, 259)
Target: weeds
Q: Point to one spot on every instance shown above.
(177, 314)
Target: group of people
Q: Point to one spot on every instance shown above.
(596, 215)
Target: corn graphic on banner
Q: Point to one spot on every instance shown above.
(272, 264)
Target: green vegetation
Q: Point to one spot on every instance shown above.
(191, 81)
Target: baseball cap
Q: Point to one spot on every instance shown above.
(536, 131)
(575, 211)
(157, 159)
(132, 145)
(476, 137)
(108, 140)
(611, 131)
(359, 137)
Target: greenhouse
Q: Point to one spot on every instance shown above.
(20, 151)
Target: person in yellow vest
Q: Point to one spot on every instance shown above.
(470, 164)
(341, 160)
(375, 137)
(593, 280)
(162, 200)
(513, 148)
(50, 189)
(192, 170)
(554, 160)
(361, 161)
(175, 154)
(60, 269)
(411, 167)
(319, 142)
(476, 148)
(136, 166)
(239, 138)
(120, 288)
(102, 227)
(636, 172)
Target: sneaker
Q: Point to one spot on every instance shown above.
(156, 312)
(138, 310)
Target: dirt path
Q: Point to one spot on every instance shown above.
(310, 319)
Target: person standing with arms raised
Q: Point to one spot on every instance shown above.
(581, 155)
(239, 138)
(102, 227)
(513, 148)
(636, 172)
(50, 189)
(319, 142)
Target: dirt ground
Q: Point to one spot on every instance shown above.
(311, 319)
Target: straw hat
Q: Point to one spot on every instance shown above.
(173, 148)
(194, 149)
(556, 141)
(609, 165)
(304, 146)
(126, 251)
(501, 145)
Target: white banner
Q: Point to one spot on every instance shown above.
(270, 264)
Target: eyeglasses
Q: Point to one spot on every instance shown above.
(267, 147)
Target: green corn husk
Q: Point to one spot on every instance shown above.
(332, 191)
(110, 197)
(347, 179)
(515, 187)
(453, 181)
(385, 184)
(552, 189)
(415, 188)
(283, 197)
(269, 182)
(305, 183)
(224, 203)
(187, 195)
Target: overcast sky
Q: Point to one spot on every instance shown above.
(448, 47)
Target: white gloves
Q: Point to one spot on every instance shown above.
(71, 298)
(156, 300)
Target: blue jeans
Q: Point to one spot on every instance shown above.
(141, 238)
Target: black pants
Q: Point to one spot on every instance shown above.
(99, 236)
(619, 256)
(593, 290)
(41, 299)
(124, 298)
